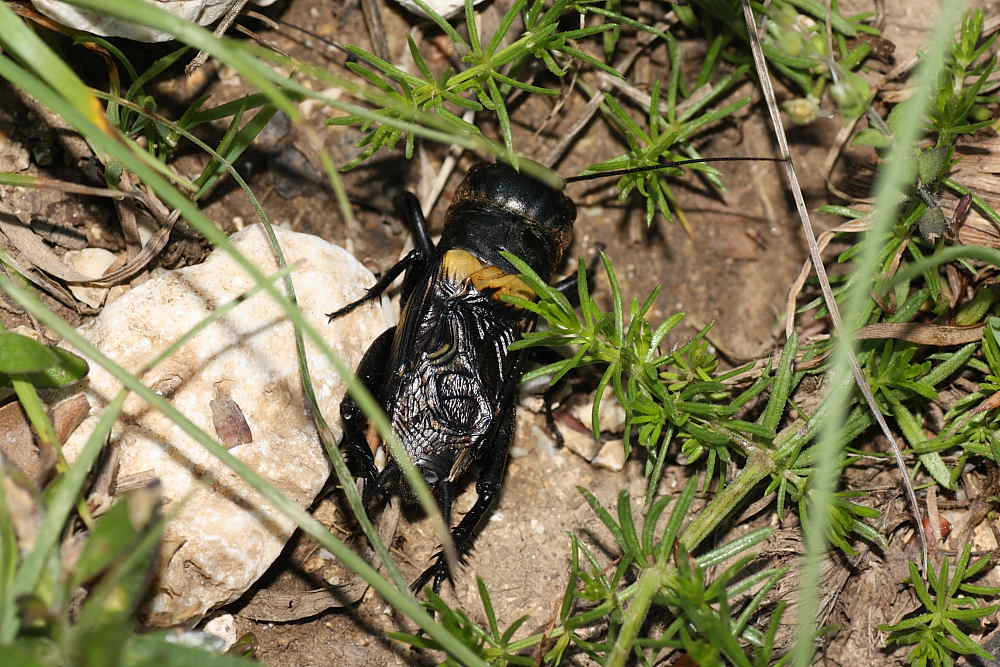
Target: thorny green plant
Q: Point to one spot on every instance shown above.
(708, 417)
(489, 643)
(668, 138)
(939, 629)
(682, 396)
(493, 66)
(699, 611)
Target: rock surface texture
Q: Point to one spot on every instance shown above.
(223, 535)
(202, 12)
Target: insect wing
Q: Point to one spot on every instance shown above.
(453, 370)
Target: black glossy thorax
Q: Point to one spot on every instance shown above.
(499, 209)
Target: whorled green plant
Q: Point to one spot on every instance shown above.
(491, 74)
(949, 609)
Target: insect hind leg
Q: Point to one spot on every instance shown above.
(488, 486)
(355, 444)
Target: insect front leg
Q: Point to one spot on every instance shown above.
(375, 291)
(488, 486)
(415, 261)
(409, 210)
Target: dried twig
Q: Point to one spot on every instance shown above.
(219, 31)
(376, 28)
(859, 225)
(595, 102)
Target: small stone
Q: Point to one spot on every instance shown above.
(612, 414)
(529, 436)
(582, 444)
(115, 293)
(204, 12)
(14, 156)
(446, 8)
(534, 404)
(295, 173)
(223, 627)
(612, 456)
(276, 129)
(91, 262)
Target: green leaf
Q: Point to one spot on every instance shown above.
(69, 368)
(113, 534)
(20, 354)
(603, 515)
(931, 164)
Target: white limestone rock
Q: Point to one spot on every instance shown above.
(612, 414)
(223, 627)
(202, 12)
(224, 535)
(446, 8)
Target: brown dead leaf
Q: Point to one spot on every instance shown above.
(17, 444)
(25, 513)
(69, 414)
(33, 248)
(993, 401)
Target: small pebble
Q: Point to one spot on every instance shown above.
(581, 444)
(223, 627)
(91, 262)
(612, 456)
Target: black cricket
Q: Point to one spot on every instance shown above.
(445, 375)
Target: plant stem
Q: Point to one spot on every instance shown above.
(652, 579)
(760, 464)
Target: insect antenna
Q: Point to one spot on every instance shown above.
(668, 164)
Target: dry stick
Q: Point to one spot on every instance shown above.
(219, 31)
(591, 108)
(817, 260)
(61, 186)
(588, 113)
(854, 226)
(376, 29)
(448, 166)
